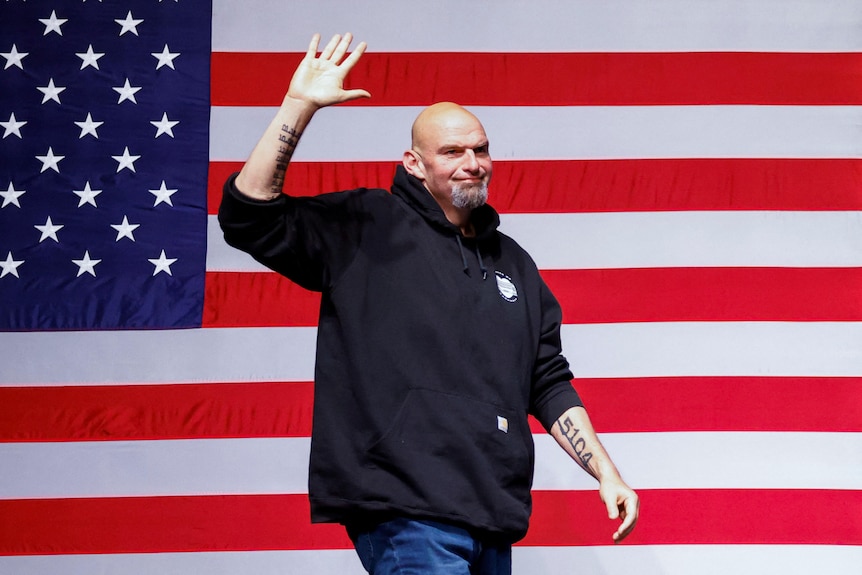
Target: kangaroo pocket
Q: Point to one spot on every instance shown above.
(446, 455)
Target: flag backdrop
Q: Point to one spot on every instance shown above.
(687, 176)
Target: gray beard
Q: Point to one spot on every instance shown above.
(469, 196)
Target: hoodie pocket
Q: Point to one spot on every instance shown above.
(457, 457)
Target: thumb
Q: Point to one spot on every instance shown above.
(356, 94)
(613, 508)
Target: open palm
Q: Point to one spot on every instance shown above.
(319, 80)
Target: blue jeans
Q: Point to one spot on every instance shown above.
(418, 547)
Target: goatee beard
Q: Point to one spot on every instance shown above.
(469, 196)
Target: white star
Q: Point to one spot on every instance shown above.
(129, 24)
(165, 57)
(53, 23)
(11, 195)
(12, 126)
(125, 229)
(89, 58)
(88, 126)
(50, 161)
(49, 230)
(14, 57)
(10, 266)
(87, 195)
(163, 194)
(86, 265)
(163, 264)
(126, 160)
(51, 91)
(127, 92)
(164, 126)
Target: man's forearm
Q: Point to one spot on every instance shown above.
(262, 176)
(316, 83)
(575, 434)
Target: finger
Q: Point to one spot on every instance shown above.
(630, 516)
(330, 47)
(624, 529)
(312, 46)
(342, 46)
(613, 509)
(354, 56)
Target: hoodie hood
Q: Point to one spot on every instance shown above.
(485, 219)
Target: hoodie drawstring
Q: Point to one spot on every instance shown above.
(481, 263)
(464, 259)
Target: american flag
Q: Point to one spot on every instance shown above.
(687, 175)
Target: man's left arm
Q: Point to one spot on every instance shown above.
(575, 434)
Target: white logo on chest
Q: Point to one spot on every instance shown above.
(507, 288)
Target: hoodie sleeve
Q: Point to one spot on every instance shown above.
(552, 390)
(308, 240)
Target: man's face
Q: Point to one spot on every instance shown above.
(453, 159)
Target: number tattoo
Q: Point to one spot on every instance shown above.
(579, 444)
(289, 138)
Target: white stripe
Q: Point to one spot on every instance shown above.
(544, 25)
(287, 354)
(714, 349)
(639, 559)
(560, 132)
(713, 460)
(154, 468)
(157, 356)
(655, 239)
(689, 559)
(224, 258)
(689, 239)
(333, 562)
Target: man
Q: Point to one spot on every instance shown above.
(436, 338)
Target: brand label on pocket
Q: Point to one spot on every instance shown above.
(502, 424)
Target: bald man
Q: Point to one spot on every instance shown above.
(436, 338)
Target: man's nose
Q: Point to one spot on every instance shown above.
(471, 163)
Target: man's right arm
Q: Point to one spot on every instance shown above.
(317, 82)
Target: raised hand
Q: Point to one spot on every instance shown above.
(319, 80)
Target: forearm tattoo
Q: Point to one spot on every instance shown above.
(578, 443)
(288, 138)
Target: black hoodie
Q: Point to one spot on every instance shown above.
(432, 348)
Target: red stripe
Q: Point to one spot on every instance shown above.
(708, 294)
(621, 405)
(705, 517)
(606, 79)
(257, 299)
(216, 410)
(592, 296)
(614, 185)
(220, 410)
(162, 525)
(280, 522)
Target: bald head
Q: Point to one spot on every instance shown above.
(435, 122)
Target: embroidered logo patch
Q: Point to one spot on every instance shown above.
(507, 288)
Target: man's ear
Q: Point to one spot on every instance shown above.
(413, 164)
